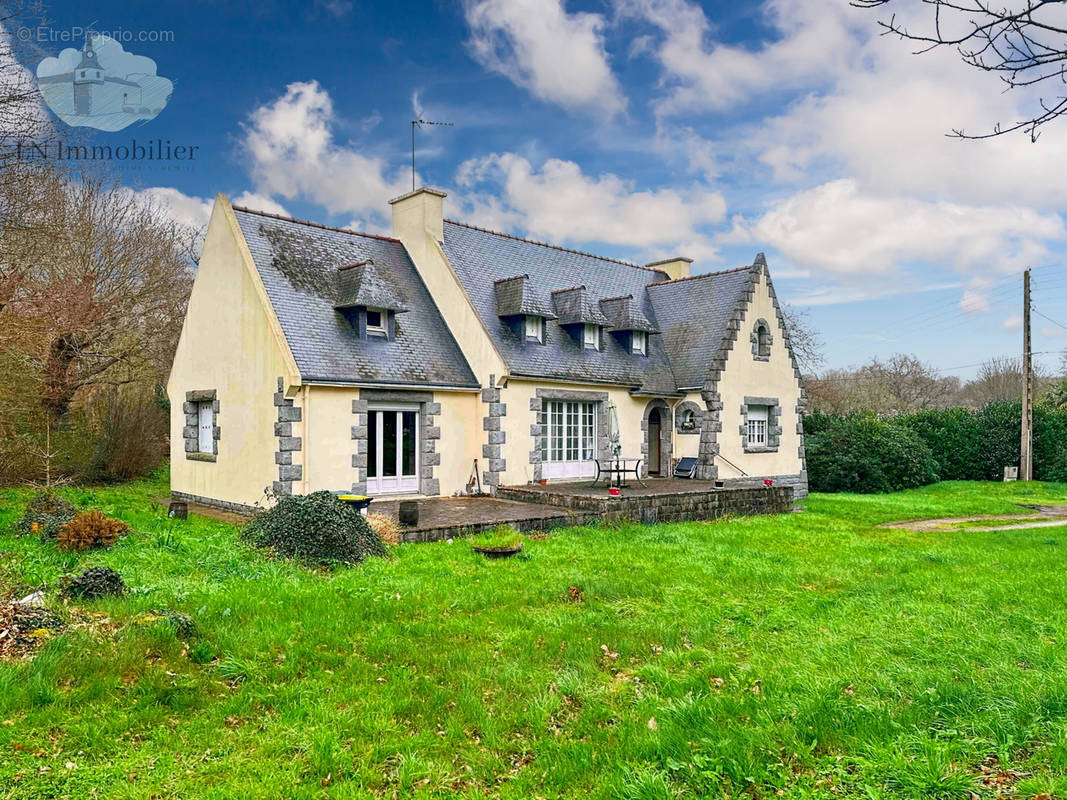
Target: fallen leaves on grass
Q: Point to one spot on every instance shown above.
(23, 629)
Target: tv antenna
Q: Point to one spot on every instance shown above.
(419, 123)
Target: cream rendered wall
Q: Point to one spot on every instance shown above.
(418, 223)
(746, 376)
(461, 439)
(231, 343)
(519, 443)
(328, 444)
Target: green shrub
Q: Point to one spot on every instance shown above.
(864, 454)
(819, 422)
(316, 528)
(95, 582)
(1050, 443)
(955, 438)
(1001, 428)
(49, 512)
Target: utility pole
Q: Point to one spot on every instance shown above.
(1026, 453)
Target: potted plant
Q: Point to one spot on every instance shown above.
(500, 542)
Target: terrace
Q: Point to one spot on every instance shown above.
(540, 507)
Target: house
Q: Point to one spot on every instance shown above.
(316, 358)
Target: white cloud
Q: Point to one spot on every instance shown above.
(975, 298)
(293, 154)
(857, 104)
(183, 208)
(812, 45)
(559, 203)
(557, 56)
(1012, 323)
(1050, 332)
(839, 229)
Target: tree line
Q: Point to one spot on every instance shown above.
(93, 287)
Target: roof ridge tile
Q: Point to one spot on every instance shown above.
(551, 246)
(701, 275)
(311, 224)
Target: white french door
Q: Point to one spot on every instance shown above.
(392, 449)
(568, 439)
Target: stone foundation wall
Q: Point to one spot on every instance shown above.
(210, 502)
(681, 507)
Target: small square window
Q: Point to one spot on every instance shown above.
(591, 337)
(757, 425)
(376, 321)
(206, 430)
(639, 343)
(533, 329)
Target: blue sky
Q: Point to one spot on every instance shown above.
(640, 129)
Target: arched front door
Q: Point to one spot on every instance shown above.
(654, 455)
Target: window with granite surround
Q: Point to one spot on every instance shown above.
(761, 340)
(760, 428)
(201, 431)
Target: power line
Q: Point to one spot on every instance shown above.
(1050, 319)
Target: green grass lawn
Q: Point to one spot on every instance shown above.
(809, 655)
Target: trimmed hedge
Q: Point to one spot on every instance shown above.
(865, 454)
(855, 453)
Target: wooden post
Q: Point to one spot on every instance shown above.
(1026, 453)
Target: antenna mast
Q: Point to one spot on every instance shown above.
(419, 123)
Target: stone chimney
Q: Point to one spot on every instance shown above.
(674, 267)
(417, 214)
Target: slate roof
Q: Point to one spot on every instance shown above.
(480, 257)
(298, 263)
(693, 315)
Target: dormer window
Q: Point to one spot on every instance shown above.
(368, 300)
(376, 321)
(591, 337)
(639, 343)
(534, 329)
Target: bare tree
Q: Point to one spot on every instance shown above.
(101, 280)
(805, 340)
(23, 117)
(901, 384)
(1025, 45)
